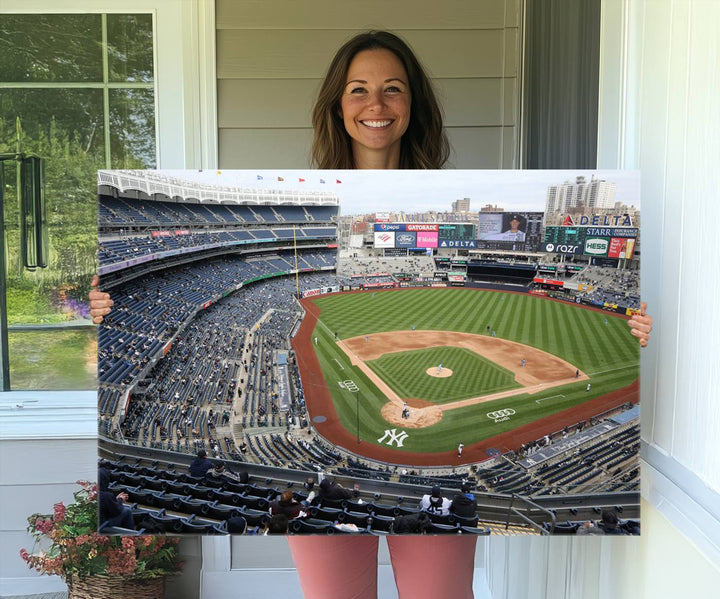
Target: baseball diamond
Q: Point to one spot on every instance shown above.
(392, 343)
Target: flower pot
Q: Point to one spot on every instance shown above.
(116, 587)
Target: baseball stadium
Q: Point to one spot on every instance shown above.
(291, 345)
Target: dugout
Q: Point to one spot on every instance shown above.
(501, 272)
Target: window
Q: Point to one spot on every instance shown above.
(79, 91)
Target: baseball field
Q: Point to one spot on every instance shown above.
(431, 368)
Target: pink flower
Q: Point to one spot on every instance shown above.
(128, 543)
(43, 526)
(121, 562)
(59, 512)
(24, 555)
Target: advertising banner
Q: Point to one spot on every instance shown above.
(427, 239)
(602, 242)
(396, 251)
(597, 246)
(389, 227)
(605, 220)
(405, 239)
(612, 231)
(457, 243)
(544, 281)
(621, 248)
(562, 248)
(421, 227)
(385, 240)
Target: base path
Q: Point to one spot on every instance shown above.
(541, 370)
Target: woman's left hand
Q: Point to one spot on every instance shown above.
(641, 325)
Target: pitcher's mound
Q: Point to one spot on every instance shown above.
(434, 371)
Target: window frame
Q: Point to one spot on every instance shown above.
(688, 502)
(184, 32)
(184, 92)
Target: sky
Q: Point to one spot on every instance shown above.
(367, 191)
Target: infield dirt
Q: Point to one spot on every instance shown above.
(540, 371)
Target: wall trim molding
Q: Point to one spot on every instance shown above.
(680, 495)
(47, 415)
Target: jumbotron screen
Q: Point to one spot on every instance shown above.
(600, 242)
(518, 231)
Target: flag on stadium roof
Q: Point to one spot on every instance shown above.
(301, 180)
(338, 181)
(281, 179)
(259, 177)
(322, 180)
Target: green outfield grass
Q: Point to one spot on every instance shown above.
(472, 376)
(606, 352)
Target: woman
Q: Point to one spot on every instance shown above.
(363, 117)
(377, 109)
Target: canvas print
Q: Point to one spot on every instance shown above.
(369, 352)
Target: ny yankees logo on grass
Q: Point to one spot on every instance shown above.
(395, 437)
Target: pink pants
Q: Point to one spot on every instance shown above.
(345, 567)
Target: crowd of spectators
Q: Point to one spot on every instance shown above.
(357, 263)
(611, 285)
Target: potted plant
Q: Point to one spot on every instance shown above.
(93, 565)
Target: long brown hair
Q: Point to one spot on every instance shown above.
(424, 144)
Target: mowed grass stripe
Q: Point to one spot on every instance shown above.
(547, 330)
(473, 375)
(607, 352)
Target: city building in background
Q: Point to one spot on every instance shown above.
(596, 193)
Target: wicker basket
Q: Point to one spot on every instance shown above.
(116, 587)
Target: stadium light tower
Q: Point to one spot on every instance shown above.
(357, 412)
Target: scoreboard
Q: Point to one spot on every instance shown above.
(601, 242)
(564, 240)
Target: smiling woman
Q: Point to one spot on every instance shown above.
(375, 107)
(363, 116)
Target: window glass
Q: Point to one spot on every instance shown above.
(130, 47)
(132, 128)
(54, 359)
(36, 48)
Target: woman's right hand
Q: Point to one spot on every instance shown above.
(100, 302)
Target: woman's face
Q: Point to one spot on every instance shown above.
(375, 104)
